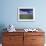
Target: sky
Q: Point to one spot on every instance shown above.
(26, 11)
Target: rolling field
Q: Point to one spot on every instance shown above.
(26, 16)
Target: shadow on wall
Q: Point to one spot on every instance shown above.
(2, 26)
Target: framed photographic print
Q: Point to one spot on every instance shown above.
(26, 14)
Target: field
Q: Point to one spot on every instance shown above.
(26, 16)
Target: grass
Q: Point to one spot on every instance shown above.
(26, 16)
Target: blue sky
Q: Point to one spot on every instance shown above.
(26, 11)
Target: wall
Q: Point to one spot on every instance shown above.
(8, 13)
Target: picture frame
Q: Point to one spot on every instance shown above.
(26, 14)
